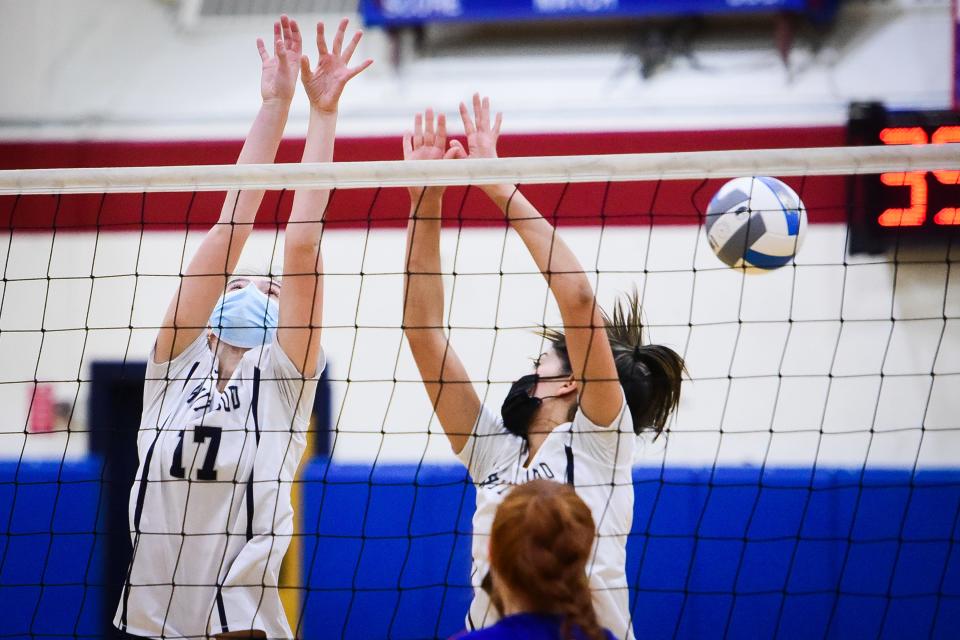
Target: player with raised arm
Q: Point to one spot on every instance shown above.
(229, 389)
(575, 418)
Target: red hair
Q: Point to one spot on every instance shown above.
(541, 540)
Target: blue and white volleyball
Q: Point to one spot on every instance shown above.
(756, 222)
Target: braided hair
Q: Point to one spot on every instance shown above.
(541, 540)
(650, 374)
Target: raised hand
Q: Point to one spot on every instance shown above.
(278, 79)
(481, 136)
(325, 83)
(428, 143)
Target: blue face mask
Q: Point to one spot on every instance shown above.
(245, 318)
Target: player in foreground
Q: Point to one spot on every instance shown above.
(541, 539)
(229, 389)
(574, 419)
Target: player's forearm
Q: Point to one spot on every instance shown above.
(423, 286)
(309, 205)
(553, 257)
(265, 133)
(260, 147)
(221, 247)
(302, 294)
(321, 132)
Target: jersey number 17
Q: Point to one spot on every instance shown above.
(208, 471)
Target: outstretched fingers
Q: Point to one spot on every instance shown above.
(321, 40)
(285, 28)
(286, 39)
(295, 40)
(468, 127)
(497, 123)
(338, 39)
(428, 132)
(483, 122)
(417, 131)
(352, 73)
(351, 47)
(477, 107)
(278, 49)
(480, 120)
(440, 141)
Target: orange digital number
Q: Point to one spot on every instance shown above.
(947, 215)
(916, 213)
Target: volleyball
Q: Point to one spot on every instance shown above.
(756, 222)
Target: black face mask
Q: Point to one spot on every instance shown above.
(519, 406)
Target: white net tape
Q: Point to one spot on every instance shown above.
(534, 170)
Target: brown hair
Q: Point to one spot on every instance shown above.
(541, 540)
(650, 374)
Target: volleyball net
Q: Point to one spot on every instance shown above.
(808, 485)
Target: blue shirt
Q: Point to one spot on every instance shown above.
(529, 626)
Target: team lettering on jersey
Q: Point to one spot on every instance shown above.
(498, 484)
(206, 398)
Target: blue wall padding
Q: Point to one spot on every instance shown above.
(790, 553)
(786, 552)
(51, 555)
(386, 550)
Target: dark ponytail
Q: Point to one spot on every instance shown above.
(650, 374)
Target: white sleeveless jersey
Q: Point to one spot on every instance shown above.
(210, 512)
(597, 461)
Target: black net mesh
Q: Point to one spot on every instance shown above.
(807, 486)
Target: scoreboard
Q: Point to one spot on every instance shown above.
(914, 207)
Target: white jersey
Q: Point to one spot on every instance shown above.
(597, 461)
(210, 512)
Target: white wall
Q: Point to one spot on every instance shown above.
(124, 68)
(882, 369)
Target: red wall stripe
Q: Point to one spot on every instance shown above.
(637, 203)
